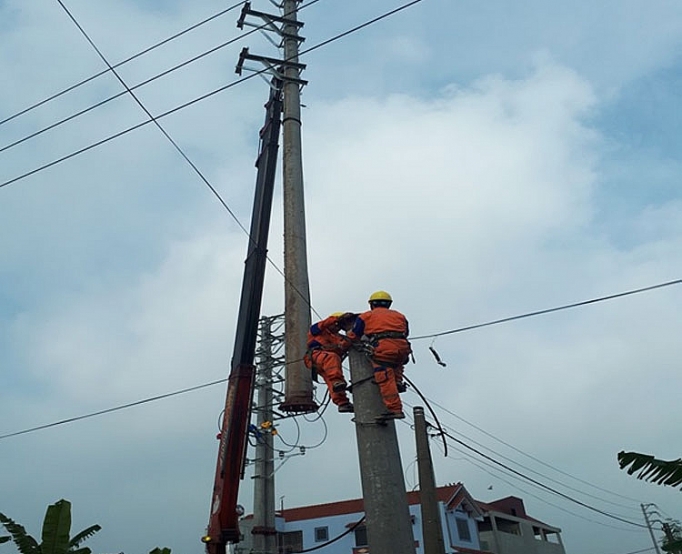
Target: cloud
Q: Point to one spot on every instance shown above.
(480, 193)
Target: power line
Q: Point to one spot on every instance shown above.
(533, 457)
(469, 458)
(114, 409)
(542, 485)
(296, 361)
(189, 103)
(549, 310)
(151, 117)
(541, 474)
(155, 119)
(361, 26)
(119, 64)
(140, 84)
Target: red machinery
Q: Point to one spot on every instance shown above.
(223, 525)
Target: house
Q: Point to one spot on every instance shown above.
(469, 527)
(507, 529)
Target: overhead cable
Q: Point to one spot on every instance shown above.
(535, 459)
(111, 68)
(119, 64)
(152, 118)
(114, 409)
(542, 485)
(548, 310)
(291, 362)
(482, 465)
(194, 101)
(155, 119)
(175, 145)
(547, 477)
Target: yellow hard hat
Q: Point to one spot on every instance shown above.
(380, 295)
(337, 314)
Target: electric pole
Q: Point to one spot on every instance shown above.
(389, 526)
(432, 530)
(263, 531)
(299, 384)
(648, 524)
(298, 396)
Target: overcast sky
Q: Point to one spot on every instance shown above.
(477, 160)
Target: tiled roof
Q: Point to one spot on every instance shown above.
(504, 505)
(357, 505)
(451, 495)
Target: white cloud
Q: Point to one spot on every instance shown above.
(478, 202)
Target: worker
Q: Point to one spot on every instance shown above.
(327, 348)
(386, 332)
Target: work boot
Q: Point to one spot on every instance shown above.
(392, 415)
(339, 386)
(402, 387)
(347, 408)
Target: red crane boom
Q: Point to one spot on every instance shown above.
(223, 525)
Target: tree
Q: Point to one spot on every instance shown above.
(672, 542)
(650, 469)
(55, 536)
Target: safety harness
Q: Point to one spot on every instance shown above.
(386, 335)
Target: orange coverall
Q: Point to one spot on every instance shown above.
(387, 330)
(326, 350)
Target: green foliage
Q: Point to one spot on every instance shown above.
(56, 528)
(81, 537)
(650, 469)
(672, 542)
(160, 551)
(23, 541)
(56, 533)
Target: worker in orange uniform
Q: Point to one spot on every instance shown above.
(326, 350)
(386, 331)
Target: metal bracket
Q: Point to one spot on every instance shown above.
(272, 66)
(270, 22)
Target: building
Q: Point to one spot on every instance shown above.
(507, 529)
(469, 527)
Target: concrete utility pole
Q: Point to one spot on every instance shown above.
(648, 524)
(263, 531)
(432, 530)
(299, 385)
(389, 526)
(298, 395)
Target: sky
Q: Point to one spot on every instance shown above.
(476, 160)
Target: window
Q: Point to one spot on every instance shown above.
(290, 542)
(321, 534)
(463, 529)
(361, 536)
(508, 526)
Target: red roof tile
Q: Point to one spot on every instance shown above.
(452, 493)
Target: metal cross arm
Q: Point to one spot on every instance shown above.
(272, 65)
(270, 22)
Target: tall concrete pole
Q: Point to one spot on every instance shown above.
(299, 385)
(263, 531)
(648, 524)
(432, 530)
(389, 527)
